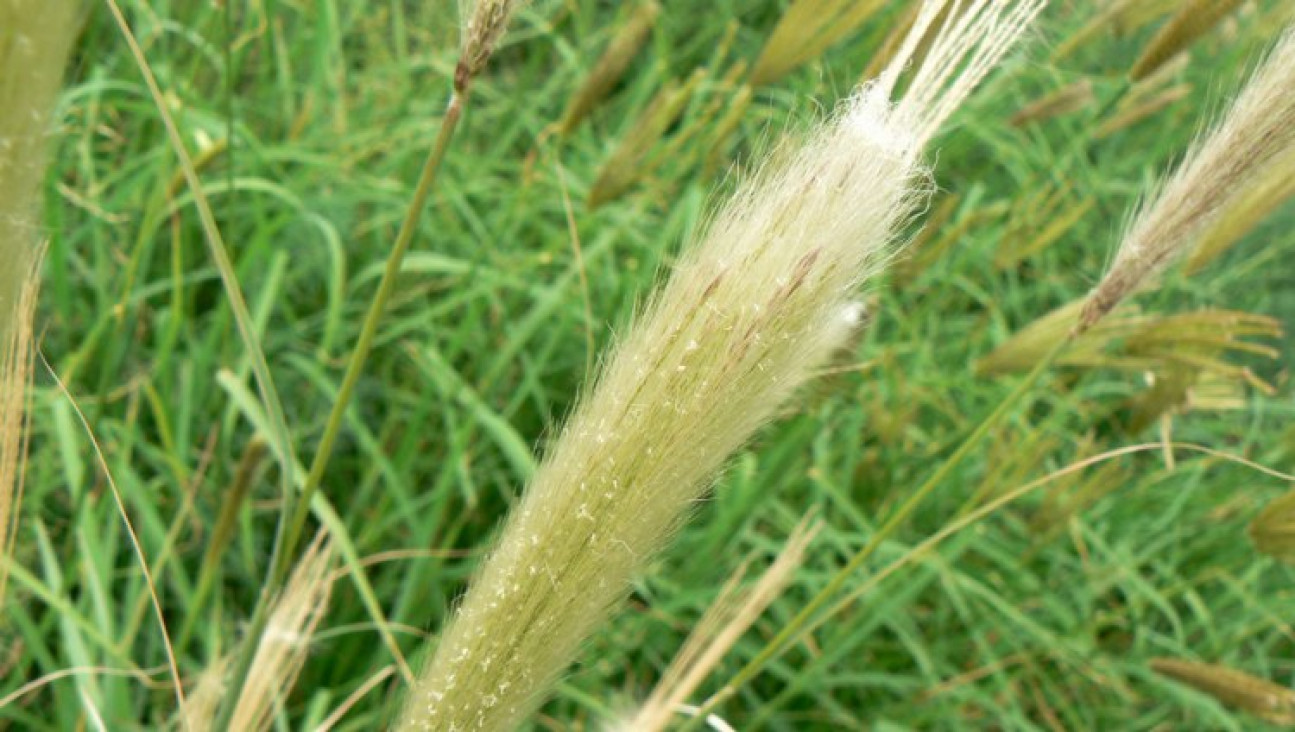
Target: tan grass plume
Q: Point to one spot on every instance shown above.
(486, 21)
(281, 652)
(729, 617)
(16, 356)
(754, 307)
(35, 37)
(1258, 129)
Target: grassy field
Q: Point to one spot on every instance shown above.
(310, 122)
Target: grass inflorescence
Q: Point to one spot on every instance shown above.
(347, 271)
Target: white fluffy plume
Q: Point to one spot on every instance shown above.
(752, 310)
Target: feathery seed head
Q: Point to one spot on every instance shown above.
(35, 36)
(486, 22)
(1257, 130)
(16, 352)
(281, 651)
(752, 310)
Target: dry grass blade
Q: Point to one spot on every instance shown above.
(282, 648)
(204, 699)
(611, 65)
(732, 613)
(1194, 19)
(1260, 697)
(1273, 530)
(1258, 128)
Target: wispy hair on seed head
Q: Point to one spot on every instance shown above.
(757, 304)
(1258, 129)
(281, 651)
(483, 25)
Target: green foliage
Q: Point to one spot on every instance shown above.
(309, 124)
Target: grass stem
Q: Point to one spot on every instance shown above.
(298, 509)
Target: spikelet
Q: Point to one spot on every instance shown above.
(282, 649)
(625, 165)
(1146, 107)
(936, 238)
(1147, 96)
(752, 310)
(1037, 222)
(1274, 186)
(724, 128)
(1134, 342)
(732, 613)
(1132, 16)
(611, 65)
(204, 699)
(1194, 19)
(1260, 697)
(486, 22)
(35, 36)
(1273, 530)
(1071, 495)
(1258, 129)
(1066, 100)
(806, 29)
